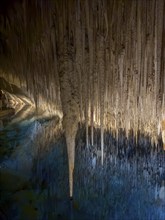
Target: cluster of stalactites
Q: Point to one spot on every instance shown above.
(119, 58)
(117, 52)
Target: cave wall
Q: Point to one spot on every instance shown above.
(116, 49)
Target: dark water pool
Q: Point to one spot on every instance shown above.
(34, 175)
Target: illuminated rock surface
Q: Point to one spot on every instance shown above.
(98, 64)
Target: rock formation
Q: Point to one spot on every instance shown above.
(98, 62)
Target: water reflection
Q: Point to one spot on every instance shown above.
(34, 170)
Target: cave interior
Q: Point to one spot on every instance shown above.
(82, 109)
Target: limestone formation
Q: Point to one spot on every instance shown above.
(101, 63)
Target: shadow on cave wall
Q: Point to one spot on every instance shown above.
(127, 185)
